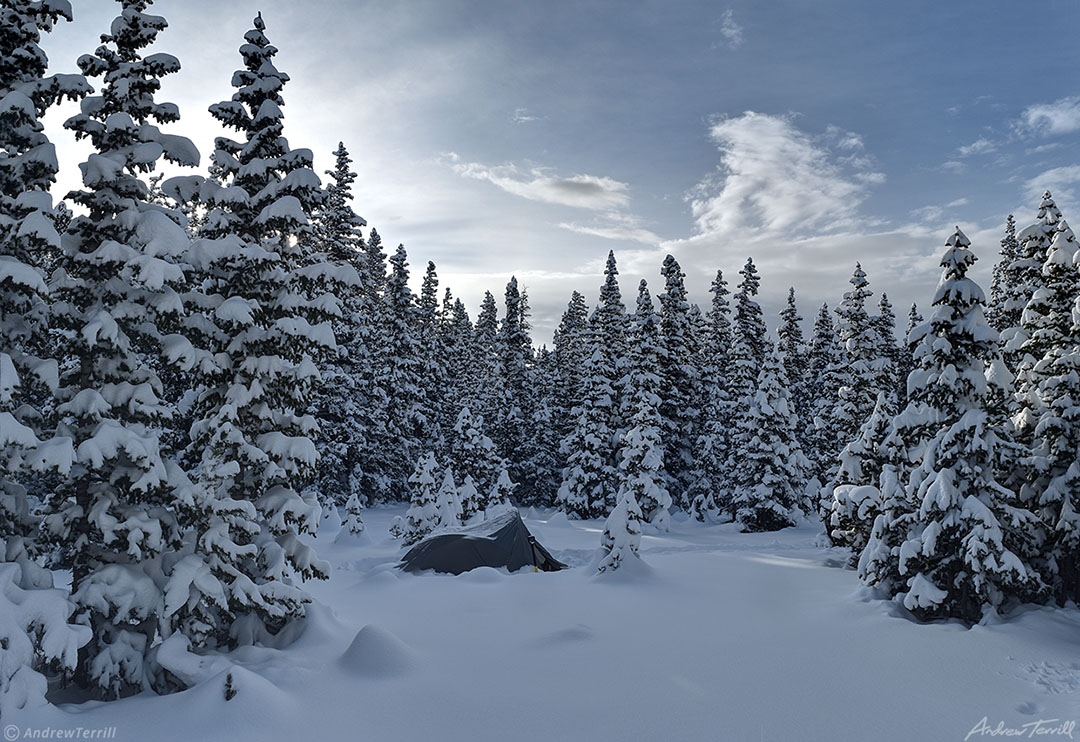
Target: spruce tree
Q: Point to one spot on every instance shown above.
(886, 364)
(713, 445)
(826, 369)
(115, 297)
(342, 401)
(589, 485)
(512, 409)
(965, 551)
(34, 628)
(681, 387)
(1000, 288)
(471, 453)
(771, 467)
(261, 327)
(640, 450)
(422, 516)
(796, 361)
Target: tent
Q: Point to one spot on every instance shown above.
(503, 541)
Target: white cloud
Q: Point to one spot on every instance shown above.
(1049, 119)
(1059, 180)
(952, 166)
(978, 147)
(592, 192)
(616, 227)
(730, 30)
(524, 116)
(774, 177)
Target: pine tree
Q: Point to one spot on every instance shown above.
(1050, 413)
(1023, 279)
(855, 497)
(713, 446)
(342, 401)
(512, 412)
(470, 499)
(622, 532)
(796, 361)
(588, 486)
(965, 549)
(422, 516)
(771, 468)
(748, 317)
(906, 356)
(262, 325)
(401, 429)
(886, 363)
(471, 453)
(1047, 328)
(1000, 289)
(826, 371)
(115, 297)
(681, 386)
(640, 450)
(499, 496)
(34, 628)
(447, 504)
(571, 344)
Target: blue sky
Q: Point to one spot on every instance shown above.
(530, 138)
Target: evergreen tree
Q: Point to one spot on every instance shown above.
(1023, 279)
(681, 383)
(771, 466)
(1000, 289)
(447, 505)
(796, 361)
(713, 446)
(422, 516)
(341, 402)
(115, 297)
(826, 369)
(748, 317)
(499, 495)
(512, 413)
(472, 503)
(622, 529)
(261, 326)
(473, 454)
(965, 549)
(886, 363)
(640, 450)
(34, 628)
(1050, 414)
(906, 356)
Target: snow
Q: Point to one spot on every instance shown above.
(728, 636)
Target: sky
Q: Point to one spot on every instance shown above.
(531, 138)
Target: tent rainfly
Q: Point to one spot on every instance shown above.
(503, 541)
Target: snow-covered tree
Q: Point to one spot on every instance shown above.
(622, 533)
(589, 486)
(680, 394)
(510, 414)
(886, 364)
(262, 323)
(966, 546)
(115, 297)
(1000, 288)
(342, 403)
(499, 495)
(771, 467)
(796, 361)
(473, 454)
(447, 504)
(713, 446)
(422, 516)
(640, 450)
(825, 370)
(1023, 279)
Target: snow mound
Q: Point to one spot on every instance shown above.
(558, 520)
(376, 652)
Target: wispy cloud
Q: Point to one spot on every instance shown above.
(1050, 119)
(953, 166)
(980, 146)
(593, 192)
(616, 226)
(1061, 180)
(524, 116)
(731, 31)
(773, 177)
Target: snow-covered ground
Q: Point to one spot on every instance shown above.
(725, 636)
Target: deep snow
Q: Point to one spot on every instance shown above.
(723, 636)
